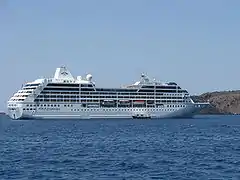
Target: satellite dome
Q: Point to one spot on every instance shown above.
(89, 77)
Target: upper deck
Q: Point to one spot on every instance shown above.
(63, 86)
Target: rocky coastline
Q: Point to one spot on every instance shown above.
(222, 102)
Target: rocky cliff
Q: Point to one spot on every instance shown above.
(224, 102)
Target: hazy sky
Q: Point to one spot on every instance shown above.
(194, 43)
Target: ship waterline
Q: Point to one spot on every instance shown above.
(66, 97)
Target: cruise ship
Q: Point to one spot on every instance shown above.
(67, 97)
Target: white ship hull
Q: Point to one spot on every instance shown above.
(75, 112)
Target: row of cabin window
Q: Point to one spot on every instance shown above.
(92, 100)
(115, 92)
(110, 90)
(107, 95)
(48, 105)
(115, 97)
(104, 89)
(129, 94)
(24, 91)
(29, 85)
(98, 109)
(69, 85)
(128, 97)
(129, 109)
(17, 99)
(25, 95)
(176, 105)
(38, 105)
(65, 81)
(124, 91)
(111, 98)
(70, 105)
(29, 109)
(32, 109)
(110, 93)
(95, 100)
(161, 87)
(29, 88)
(12, 109)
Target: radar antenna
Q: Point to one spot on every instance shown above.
(144, 78)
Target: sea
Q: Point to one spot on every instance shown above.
(205, 147)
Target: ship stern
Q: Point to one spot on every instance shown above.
(195, 109)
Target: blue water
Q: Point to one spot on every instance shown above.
(207, 147)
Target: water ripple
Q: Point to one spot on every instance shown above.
(202, 148)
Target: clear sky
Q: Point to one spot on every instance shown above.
(194, 43)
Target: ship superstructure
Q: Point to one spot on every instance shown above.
(64, 96)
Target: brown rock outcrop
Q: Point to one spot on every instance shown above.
(225, 102)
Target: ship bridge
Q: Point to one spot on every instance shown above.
(63, 75)
(145, 80)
